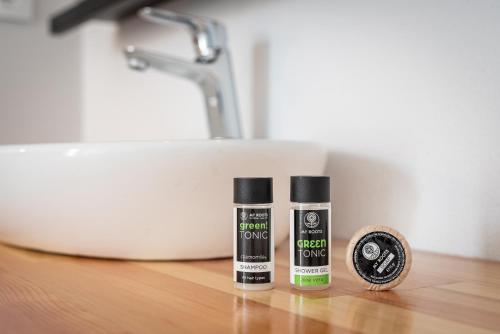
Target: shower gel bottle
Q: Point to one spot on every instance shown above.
(310, 232)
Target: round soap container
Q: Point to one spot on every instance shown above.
(378, 257)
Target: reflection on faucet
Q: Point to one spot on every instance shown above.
(211, 70)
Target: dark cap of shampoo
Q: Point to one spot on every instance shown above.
(310, 189)
(253, 190)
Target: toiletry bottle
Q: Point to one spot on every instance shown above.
(310, 232)
(253, 243)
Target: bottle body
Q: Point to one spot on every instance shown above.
(310, 245)
(253, 246)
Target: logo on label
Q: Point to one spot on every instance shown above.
(243, 215)
(371, 251)
(311, 219)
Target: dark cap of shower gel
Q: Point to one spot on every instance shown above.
(310, 189)
(253, 190)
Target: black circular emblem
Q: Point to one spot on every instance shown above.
(379, 257)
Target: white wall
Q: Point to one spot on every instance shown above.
(40, 81)
(405, 95)
(120, 104)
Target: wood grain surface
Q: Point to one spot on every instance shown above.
(43, 293)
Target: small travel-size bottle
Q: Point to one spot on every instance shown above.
(310, 232)
(253, 241)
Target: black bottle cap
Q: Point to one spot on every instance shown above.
(253, 190)
(310, 189)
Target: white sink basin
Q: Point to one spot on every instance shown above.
(140, 200)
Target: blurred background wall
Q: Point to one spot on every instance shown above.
(404, 95)
(40, 80)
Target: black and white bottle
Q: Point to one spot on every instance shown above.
(310, 232)
(253, 224)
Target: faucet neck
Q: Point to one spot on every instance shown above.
(211, 70)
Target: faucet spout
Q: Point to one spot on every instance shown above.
(141, 60)
(211, 70)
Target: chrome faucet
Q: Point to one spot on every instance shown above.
(211, 69)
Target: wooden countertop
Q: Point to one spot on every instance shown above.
(42, 293)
